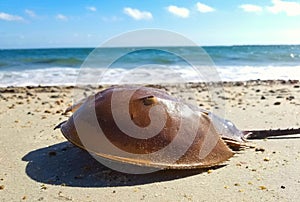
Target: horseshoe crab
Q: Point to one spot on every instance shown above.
(148, 127)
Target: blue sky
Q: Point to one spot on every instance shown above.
(88, 23)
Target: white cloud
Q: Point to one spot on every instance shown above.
(91, 8)
(30, 13)
(137, 14)
(204, 8)
(61, 17)
(9, 17)
(251, 8)
(289, 7)
(179, 11)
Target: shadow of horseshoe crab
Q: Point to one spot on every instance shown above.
(65, 164)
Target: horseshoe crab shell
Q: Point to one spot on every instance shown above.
(148, 127)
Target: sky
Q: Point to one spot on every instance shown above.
(88, 23)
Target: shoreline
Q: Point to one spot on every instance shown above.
(225, 83)
(36, 162)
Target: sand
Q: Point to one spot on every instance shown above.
(38, 164)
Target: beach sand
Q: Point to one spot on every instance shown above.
(38, 164)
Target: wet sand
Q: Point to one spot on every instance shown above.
(38, 164)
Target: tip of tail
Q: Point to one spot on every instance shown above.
(59, 125)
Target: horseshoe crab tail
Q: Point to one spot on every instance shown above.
(76, 106)
(59, 125)
(262, 134)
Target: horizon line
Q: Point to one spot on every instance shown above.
(91, 47)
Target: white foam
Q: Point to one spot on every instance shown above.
(175, 74)
(34, 77)
(244, 73)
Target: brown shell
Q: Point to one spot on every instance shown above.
(185, 137)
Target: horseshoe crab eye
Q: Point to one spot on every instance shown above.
(150, 100)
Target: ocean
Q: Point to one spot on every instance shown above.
(68, 66)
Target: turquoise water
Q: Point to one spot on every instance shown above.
(61, 66)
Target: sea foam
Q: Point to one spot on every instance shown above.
(173, 74)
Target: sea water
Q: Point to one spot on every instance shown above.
(63, 66)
